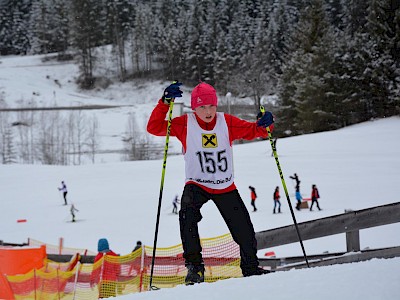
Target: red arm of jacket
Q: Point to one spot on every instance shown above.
(157, 125)
(241, 129)
(238, 128)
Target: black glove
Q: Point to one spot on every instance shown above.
(171, 92)
(266, 119)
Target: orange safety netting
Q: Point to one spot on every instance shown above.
(18, 261)
(122, 275)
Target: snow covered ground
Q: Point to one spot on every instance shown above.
(354, 168)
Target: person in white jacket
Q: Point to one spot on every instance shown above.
(63, 189)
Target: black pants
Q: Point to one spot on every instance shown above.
(314, 200)
(253, 203)
(235, 215)
(65, 197)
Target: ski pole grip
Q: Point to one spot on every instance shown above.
(262, 110)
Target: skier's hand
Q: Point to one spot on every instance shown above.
(265, 120)
(171, 92)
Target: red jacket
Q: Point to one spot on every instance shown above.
(238, 129)
(110, 269)
(314, 193)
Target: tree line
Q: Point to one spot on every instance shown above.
(48, 137)
(57, 137)
(331, 63)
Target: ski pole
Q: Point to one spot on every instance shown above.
(262, 110)
(171, 107)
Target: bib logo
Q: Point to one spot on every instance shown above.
(209, 140)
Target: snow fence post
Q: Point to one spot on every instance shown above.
(78, 267)
(352, 238)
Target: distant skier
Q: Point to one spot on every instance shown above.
(314, 197)
(296, 178)
(299, 198)
(298, 194)
(63, 189)
(277, 202)
(73, 210)
(175, 203)
(253, 197)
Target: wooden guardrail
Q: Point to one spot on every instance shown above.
(350, 223)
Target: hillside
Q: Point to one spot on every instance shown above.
(354, 168)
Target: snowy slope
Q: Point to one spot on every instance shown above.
(354, 168)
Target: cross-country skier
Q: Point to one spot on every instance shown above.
(296, 178)
(63, 189)
(207, 137)
(175, 204)
(73, 210)
(298, 194)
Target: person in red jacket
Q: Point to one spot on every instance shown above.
(206, 136)
(277, 201)
(253, 197)
(106, 274)
(314, 197)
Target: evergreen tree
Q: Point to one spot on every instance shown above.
(370, 65)
(256, 73)
(118, 23)
(222, 68)
(354, 15)
(201, 41)
(40, 28)
(143, 37)
(14, 17)
(170, 41)
(240, 44)
(334, 10)
(382, 71)
(305, 90)
(62, 30)
(87, 33)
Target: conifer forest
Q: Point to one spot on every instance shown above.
(327, 63)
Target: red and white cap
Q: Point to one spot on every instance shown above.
(203, 94)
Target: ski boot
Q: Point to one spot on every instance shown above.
(254, 271)
(195, 274)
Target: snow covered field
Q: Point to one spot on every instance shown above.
(354, 168)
